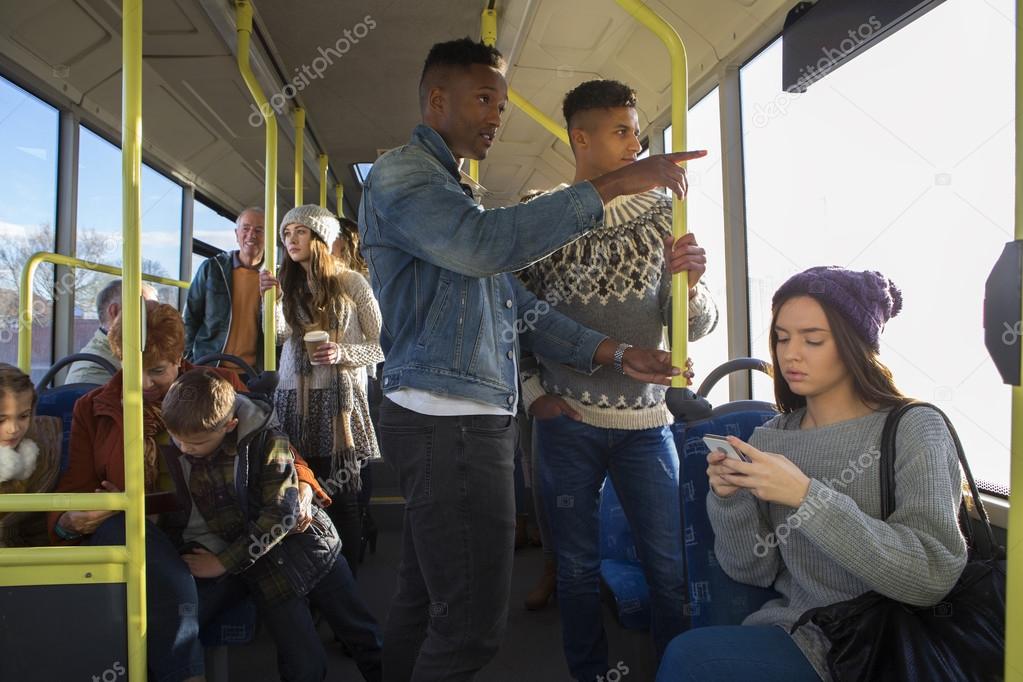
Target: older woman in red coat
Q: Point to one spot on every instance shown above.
(97, 465)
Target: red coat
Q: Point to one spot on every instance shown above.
(97, 443)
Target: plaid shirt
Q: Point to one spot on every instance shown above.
(214, 489)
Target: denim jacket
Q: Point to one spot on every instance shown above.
(453, 320)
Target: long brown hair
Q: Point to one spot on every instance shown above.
(347, 245)
(872, 380)
(320, 294)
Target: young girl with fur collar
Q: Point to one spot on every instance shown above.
(29, 456)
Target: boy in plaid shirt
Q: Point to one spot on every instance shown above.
(240, 533)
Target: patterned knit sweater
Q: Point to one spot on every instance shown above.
(614, 280)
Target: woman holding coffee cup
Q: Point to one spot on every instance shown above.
(329, 324)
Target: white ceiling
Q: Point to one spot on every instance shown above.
(197, 110)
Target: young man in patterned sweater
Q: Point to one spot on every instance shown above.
(616, 279)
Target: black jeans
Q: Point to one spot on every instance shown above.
(450, 612)
(344, 512)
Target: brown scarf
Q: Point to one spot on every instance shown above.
(342, 447)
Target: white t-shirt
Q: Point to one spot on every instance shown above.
(436, 405)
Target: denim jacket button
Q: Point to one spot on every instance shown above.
(511, 355)
(511, 400)
(508, 303)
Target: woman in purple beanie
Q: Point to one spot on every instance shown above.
(803, 515)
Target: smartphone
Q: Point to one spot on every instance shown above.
(719, 443)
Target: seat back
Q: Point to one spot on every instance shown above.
(715, 599)
(60, 402)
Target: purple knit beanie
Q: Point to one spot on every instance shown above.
(865, 299)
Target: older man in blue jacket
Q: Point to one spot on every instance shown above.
(453, 322)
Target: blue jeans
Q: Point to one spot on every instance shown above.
(173, 650)
(643, 465)
(300, 655)
(735, 652)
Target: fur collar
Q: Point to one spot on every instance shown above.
(17, 464)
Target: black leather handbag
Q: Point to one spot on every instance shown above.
(962, 637)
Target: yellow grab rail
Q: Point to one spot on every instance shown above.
(339, 193)
(323, 182)
(543, 119)
(36, 502)
(243, 16)
(299, 151)
(679, 108)
(25, 296)
(68, 556)
(133, 339)
(488, 36)
(1014, 574)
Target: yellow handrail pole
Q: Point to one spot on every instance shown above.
(1014, 580)
(679, 109)
(243, 15)
(299, 144)
(25, 295)
(323, 181)
(339, 192)
(488, 36)
(71, 556)
(543, 119)
(133, 342)
(44, 502)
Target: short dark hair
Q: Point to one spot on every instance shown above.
(461, 53)
(599, 94)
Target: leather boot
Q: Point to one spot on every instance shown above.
(545, 588)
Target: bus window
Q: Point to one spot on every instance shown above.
(99, 224)
(212, 228)
(899, 161)
(28, 217)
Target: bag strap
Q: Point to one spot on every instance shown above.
(887, 466)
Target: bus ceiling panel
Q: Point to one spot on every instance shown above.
(355, 66)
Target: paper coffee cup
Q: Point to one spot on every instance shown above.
(313, 340)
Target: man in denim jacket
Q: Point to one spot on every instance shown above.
(452, 322)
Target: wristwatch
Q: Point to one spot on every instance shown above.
(619, 355)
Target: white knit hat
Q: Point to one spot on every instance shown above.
(321, 221)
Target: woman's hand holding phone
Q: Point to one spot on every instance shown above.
(769, 476)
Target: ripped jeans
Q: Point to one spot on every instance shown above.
(643, 465)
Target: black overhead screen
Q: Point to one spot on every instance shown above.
(820, 37)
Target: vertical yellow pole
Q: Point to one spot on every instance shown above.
(243, 18)
(132, 330)
(299, 144)
(339, 192)
(1014, 586)
(679, 109)
(243, 13)
(323, 181)
(488, 36)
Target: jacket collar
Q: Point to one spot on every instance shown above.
(430, 140)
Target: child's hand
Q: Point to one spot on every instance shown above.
(305, 507)
(204, 564)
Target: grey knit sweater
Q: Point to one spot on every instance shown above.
(834, 547)
(614, 280)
